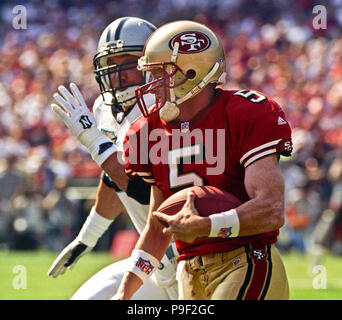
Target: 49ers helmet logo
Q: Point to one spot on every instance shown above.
(190, 42)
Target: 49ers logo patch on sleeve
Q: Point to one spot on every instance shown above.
(190, 42)
(285, 147)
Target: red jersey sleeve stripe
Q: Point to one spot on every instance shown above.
(150, 181)
(259, 156)
(130, 173)
(144, 174)
(257, 149)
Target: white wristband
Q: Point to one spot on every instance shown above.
(142, 264)
(99, 145)
(93, 228)
(225, 224)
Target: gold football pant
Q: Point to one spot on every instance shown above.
(251, 272)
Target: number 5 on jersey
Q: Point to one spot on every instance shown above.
(178, 179)
(251, 95)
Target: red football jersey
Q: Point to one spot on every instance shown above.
(214, 148)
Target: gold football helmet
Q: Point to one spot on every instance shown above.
(188, 56)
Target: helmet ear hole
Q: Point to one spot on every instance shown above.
(191, 74)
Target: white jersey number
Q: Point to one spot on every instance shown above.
(176, 158)
(251, 95)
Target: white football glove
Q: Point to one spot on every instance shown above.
(72, 109)
(68, 257)
(91, 231)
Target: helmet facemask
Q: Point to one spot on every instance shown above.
(169, 78)
(120, 97)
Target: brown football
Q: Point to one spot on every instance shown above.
(209, 200)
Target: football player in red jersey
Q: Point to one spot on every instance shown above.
(197, 134)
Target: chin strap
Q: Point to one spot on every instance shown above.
(170, 110)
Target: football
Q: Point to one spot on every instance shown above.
(209, 200)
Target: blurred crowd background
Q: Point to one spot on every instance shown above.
(48, 181)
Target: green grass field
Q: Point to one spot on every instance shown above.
(23, 276)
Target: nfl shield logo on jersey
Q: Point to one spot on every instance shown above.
(185, 127)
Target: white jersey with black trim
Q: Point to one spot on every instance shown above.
(109, 125)
(117, 131)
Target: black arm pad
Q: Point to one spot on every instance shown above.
(106, 179)
(139, 190)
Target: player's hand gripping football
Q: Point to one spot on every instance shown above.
(186, 225)
(68, 257)
(72, 109)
